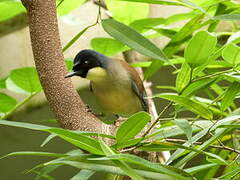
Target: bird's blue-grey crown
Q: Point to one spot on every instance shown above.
(85, 60)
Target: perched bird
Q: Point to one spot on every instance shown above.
(116, 85)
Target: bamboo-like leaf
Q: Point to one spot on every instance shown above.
(133, 39)
(32, 153)
(196, 169)
(132, 126)
(195, 86)
(188, 103)
(228, 17)
(124, 166)
(183, 77)
(83, 175)
(231, 54)
(199, 49)
(185, 126)
(157, 167)
(229, 95)
(219, 133)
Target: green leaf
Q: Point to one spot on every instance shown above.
(83, 175)
(132, 39)
(229, 95)
(228, 17)
(114, 169)
(10, 9)
(230, 126)
(158, 147)
(185, 126)
(49, 138)
(183, 77)
(132, 10)
(69, 5)
(107, 46)
(189, 104)
(24, 80)
(196, 169)
(231, 54)
(132, 126)
(32, 153)
(124, 166)
(6, 103)
(81, 141)
(198, 85)
(154, 67)
(214, 138)
(157, 167)
(74, 137)
(199, 48)
(217, 161)
(2, 83)
(179, 17)
(143, 25)
(183, 34)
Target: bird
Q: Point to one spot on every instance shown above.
(118, 89)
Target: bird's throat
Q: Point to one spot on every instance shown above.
(97, 75)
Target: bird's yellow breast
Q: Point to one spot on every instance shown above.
(114, 94)
(113, 100)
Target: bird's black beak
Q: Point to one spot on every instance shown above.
(70, 74)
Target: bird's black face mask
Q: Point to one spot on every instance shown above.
(77, 71)
(84, 61)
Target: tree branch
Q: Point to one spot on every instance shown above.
(63, 99)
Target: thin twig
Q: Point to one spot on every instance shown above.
(199, 143)
(157, 120)
(212, 75)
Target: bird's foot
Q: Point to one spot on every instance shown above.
(119, 121)
(91, 111)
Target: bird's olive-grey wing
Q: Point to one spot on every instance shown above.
(141, 95)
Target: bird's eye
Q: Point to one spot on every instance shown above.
(86, 62)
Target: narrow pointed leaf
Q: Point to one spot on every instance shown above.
(189, 104)
(229, 95)
(132, 126)
(231, 54)
(200, 47)
(124, 166)
(133, 39)
(83, 175)
(183, 77)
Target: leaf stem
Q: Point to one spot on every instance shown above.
(212, 75)
(18, 106)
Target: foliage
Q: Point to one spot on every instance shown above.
(206, 65)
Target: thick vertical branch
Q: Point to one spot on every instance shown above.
(63, 99)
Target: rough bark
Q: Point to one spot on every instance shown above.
(63, 99)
